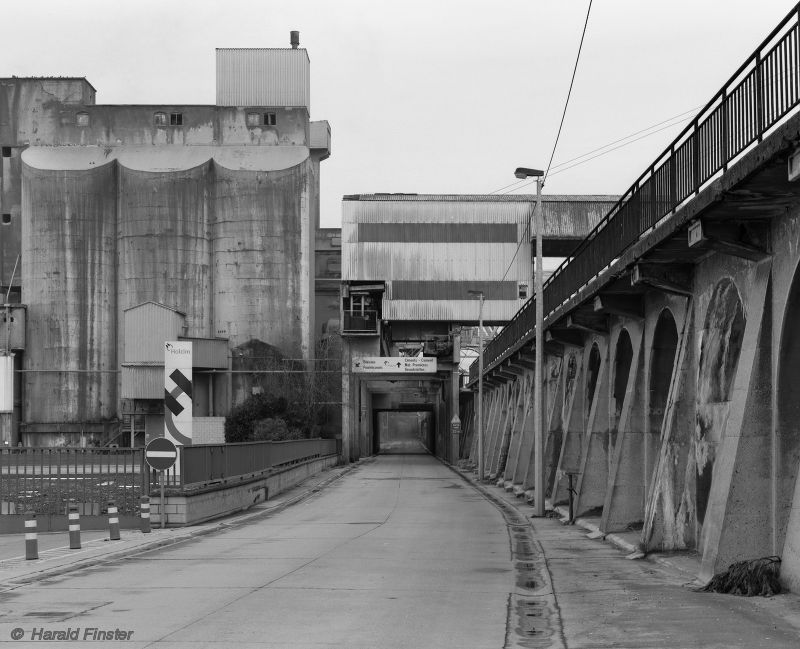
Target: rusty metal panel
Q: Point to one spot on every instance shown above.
(143, 382)
(263, 77)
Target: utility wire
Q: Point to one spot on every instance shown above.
(558, 135)
(630, 135)
(524, 181)
(569, 92)
(624, 144)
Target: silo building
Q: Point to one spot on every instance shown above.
(124, 226)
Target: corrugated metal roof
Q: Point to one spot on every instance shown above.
(262, 76)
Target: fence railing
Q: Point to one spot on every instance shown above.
(213, 462)
(49, 480)
(758, 96)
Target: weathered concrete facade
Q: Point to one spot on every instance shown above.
(207, 210)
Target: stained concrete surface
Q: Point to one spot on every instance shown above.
(399, 553)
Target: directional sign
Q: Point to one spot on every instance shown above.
(160, 453)
(395, 365)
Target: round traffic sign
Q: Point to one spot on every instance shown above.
(160, 453)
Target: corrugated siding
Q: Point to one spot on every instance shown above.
(463, 311)
(438, 232)
(144, 382)
(208, 352)
(562, 218)
(449, 290)
(263, 77)
(147, 326)
(435, 261)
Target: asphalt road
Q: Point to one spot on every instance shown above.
(399, 553)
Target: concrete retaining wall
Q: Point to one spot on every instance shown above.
(181, 510)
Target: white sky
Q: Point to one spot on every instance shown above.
(433, 96)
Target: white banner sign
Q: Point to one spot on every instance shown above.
(395, 365)
(7, 383)
(178, 392)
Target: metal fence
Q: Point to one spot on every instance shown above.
(49, 480)
(208, 463)
(759, 95)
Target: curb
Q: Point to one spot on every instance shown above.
(231, 521)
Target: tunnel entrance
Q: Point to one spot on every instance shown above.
(404, 431)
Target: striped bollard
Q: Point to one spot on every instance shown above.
(74, 528)
(145, 514)
(31, 539)
(113, 521)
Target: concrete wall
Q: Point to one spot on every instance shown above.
(698, 444)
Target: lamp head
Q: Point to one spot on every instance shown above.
(524, 172)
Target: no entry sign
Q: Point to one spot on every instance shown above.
(160, 453)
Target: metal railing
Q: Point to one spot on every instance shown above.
(208, 463)
(758, 96)
(49, 480)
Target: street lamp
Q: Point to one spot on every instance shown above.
(479, 295)
(538, 438)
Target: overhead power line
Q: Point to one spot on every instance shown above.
(569, 92)
(558, 135)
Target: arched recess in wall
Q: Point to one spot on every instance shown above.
(665, 345)
(788, 415)
(623, 357)
(720, 345)
(592, 374)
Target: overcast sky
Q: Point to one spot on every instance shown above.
(433, 96)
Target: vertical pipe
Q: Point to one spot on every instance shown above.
(480, 389)
(538, 438)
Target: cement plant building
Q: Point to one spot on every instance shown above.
(127, 225)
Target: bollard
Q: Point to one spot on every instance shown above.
(145, 514)
(113, 521)
(31, 539)
(74, 528)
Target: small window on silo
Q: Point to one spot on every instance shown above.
(176, 119)
(6, 151)
(160, 119)
(6, 219)
(253, 119)
(82, 119)
(269, 119)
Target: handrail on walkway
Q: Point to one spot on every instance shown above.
(763, 91)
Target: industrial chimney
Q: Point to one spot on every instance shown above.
(295, 39)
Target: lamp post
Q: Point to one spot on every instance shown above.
(479, 295)
(538, 437)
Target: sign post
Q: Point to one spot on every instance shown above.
(178, 391)
(161, 454)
